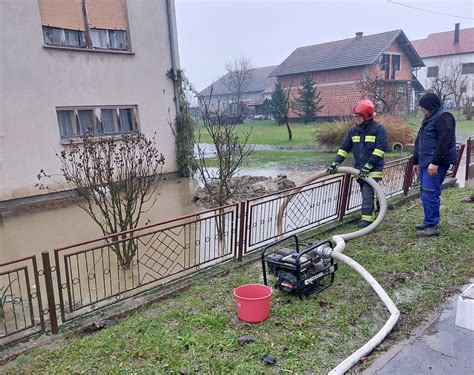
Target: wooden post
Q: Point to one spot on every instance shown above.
(346, 183)
(242, 230)
(408, 176)
(50, 292)
(468, 157)
(458, 160)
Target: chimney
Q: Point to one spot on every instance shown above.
(359, 34)
(456, 33)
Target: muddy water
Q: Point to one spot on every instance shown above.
(27, 233)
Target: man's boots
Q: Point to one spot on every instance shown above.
(429, 231)
(364, 224)
(421, 226)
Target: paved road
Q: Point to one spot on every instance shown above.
(441, 349)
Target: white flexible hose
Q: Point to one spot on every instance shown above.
(370, 345)
(336, 253)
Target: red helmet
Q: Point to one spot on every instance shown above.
(365, 108)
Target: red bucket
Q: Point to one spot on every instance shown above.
(253, 302)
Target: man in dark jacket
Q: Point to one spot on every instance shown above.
(368, 142)
(435, 150)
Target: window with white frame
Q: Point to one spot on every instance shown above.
(96, 121)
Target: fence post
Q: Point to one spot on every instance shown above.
(408, 176)
(50, 292)
(468, 156)
(458, 160)
(242, 230)
(346, 183)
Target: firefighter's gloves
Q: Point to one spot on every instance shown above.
(365, 170)
(333, 167)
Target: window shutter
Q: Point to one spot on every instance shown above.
(65, 14)
(106, 14)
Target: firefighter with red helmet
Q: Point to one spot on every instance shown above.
(368, 142)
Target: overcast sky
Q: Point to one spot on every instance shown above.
(213, 32)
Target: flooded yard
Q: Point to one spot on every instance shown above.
(26, 233)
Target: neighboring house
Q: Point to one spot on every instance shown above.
(217, 94)
(67, 66)
(340, 67)
(443, 52)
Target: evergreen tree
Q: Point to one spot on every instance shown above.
(307, 104)
(278, 105)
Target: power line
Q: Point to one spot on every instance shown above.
(429, 11)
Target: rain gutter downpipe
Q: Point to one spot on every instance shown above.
(172, 39)
(336, 253)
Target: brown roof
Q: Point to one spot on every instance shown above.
(363, 50)
(442, 44)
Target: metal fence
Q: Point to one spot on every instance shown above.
(313, 205)
(21, 309)
(100, 272)
(83, 277)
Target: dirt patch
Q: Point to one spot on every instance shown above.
(95, 327)
(245, 187)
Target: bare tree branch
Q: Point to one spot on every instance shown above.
(115, 179)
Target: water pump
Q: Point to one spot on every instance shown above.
(298, 269)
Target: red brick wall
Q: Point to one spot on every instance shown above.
(340, 88)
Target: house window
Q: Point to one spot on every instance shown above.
(108, 39)
(109, 121)
(67, 124)
(384, 62)
(117, 39)
(67, 23)
(395, 65)
(63, 37)
(96, 121)
(432, 72)
(467, 68)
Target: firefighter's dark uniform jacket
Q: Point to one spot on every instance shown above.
(368, 143)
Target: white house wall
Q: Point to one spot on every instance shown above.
(450, 60)
(35, 80)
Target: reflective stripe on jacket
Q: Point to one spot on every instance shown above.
(368, 143)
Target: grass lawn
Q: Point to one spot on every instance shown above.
(462, 126)
(196, 330)
(266, 133)
(269, 133)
